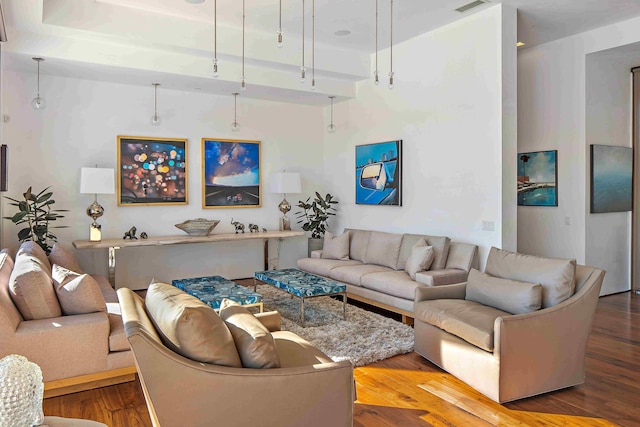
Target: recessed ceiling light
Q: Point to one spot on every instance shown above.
(342, 33)
(195, 1)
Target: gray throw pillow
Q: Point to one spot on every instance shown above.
(336, 247)
(420, 258)
(512, 296)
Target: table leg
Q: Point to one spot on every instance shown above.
(112, 265)
(255, 284)
(302, 312)
(344, 306)
(266, 254)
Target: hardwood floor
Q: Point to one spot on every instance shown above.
(407, 390)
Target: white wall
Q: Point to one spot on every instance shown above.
(79, 128)
(454, 108)
(552, 114)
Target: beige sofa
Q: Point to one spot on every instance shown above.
(375, 271)
(307, 389)
(75, 352)
(511, 356)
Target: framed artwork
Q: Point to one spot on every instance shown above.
(611, 178)
(379, 174)
(152, 171)
(538, 178)
(231, 174)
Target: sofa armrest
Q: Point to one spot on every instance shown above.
(456, 291)
(446, 276)
(271, 320)
(317, 254)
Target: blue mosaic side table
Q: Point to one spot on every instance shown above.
(213, 289)
(303, 285)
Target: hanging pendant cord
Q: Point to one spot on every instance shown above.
(302, 33)
(215, 29)
(243, 39)
(391, 52)
(376, 36)
(313, 38)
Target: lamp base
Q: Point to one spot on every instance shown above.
(95, 232)
(285, 224)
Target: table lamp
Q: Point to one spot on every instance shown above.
(96, 181)
(285, 182)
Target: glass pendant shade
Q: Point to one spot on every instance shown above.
(376, 80)
(155, 120)
(235, 127)
(215, 69)
(280, 38)
(391, 75)
(38, 103)
(331, 128)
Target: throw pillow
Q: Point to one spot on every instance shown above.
(77, 293)
(32, 248)
(189, 327)
(512, 296)
(31, 288)
(253, 340)
(383, 249)
(420, 258)
(64, 258)
(336, 247)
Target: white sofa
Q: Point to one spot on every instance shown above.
(375, 271)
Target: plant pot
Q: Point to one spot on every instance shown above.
(314, 245)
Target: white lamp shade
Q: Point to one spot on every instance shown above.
(97, 181)
(285, 182)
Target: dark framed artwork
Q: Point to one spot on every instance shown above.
(538, 178)
(611, 178)
(379, 173)
(152, 171)
(231, 173)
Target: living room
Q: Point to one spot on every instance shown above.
(465, 103)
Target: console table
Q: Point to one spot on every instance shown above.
(113, 244)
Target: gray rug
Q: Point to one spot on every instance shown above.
(363, 338)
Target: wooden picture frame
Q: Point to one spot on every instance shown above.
(152, 171)
(231, 173)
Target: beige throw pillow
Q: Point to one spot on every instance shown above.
(420, 258)
(32, 248)
(77, 293)
(512, 296)
(31, 288)
(336, 247)
(254, 342)
(189, 327)
(64, 258)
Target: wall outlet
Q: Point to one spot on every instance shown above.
(488, 226)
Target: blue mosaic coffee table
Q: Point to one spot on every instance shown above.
(303, 285)
(213, 289)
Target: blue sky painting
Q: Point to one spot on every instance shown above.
(611, 178)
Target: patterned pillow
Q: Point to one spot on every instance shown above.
(77, 293)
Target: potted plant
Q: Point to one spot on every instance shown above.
(314, 217)
(36, 212)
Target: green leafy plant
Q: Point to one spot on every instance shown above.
(316, 213)
(36, 211)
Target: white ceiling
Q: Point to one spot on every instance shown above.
(170, 41)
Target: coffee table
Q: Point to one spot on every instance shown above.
(303, 285)
(213, 289)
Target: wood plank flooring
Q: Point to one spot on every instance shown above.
(407, 390)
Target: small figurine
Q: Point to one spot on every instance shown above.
(253, 228)
(131, 234)
(237, 225)
(143, 235)
(264, 230)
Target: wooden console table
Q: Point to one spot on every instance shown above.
(114, 244)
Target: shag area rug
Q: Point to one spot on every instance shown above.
(363, 338)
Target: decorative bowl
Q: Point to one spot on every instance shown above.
(198, 226)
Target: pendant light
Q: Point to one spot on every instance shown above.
(313, 44)
(331, 128)
(215, 39)
(38, 103)
(155, 119)
(280, 33)
(391, 50)
(235, 126)
(242, 80)
(303, 70)
(376, 81)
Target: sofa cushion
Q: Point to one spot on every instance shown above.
(31, 288)
(189, 327)
(447, 276)
(512, 296)
(254, 342)
(353, 274)
(117, 336)
(383, 249)
(358, 242)
(420, 259)
(469, 320)
(294, 351)
(557, 276)
(440, 250)
(32, 248)
(64, 257)
(323, 267)
(395, 283)
(336, 247)
(77, 293)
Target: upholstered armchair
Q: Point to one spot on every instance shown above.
(307, 390)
